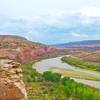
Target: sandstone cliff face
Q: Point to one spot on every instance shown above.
(11, 85)
(21, 49)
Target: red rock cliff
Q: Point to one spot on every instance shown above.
(22, 50)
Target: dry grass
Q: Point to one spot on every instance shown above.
(92, 56)
(76, 74)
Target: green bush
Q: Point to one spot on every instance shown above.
(68, 88)
(54, 77)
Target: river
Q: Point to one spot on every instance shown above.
(46, 64)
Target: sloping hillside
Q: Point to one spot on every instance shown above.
(21, 49)
(88, 45)
(92, 56)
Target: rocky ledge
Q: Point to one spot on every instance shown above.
(11, 85)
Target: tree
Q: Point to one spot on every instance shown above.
(47, 75)
(54, 77)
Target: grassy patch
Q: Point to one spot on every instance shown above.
(36, 88)
(75, 74)
(81, 64)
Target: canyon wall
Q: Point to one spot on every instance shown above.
(21, 49)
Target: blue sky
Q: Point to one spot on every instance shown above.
(51, 21)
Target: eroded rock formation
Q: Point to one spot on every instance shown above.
(11, 84)
(21, 49)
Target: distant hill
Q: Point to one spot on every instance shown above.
(85, 45)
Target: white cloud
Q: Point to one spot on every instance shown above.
(6, 33)
(79, 35)
(76, 34)
(36, 34)
(90, 12)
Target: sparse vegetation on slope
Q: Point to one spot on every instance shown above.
(50, 86)
(92, 56)
(80, 63)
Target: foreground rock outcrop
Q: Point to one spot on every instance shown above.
(11, 84)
